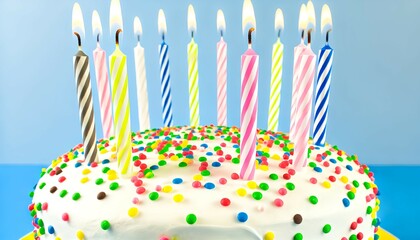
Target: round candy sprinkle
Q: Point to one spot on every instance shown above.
(241, 192)
(196, 184)
(65, 217)
(40, 222)
(178, 198)
(63, 193)
(51, 230)
(257, 195)
(191, 218)
(76, 196)
(222, 181)
(99, 181)
(278, 202)
(290, 186)
(297, 219)
(313, 200)
(264, 186)
(177, 181)
(140, 190)
(326, 228)
(101, 195)
(41, 230)
(153, 196)
(269, 236)
(133, 212)
(113, 186)
(80, 235)
(225, 202)
(105, 225)
(209, 185)
(350, 195)
(274, 176)
(346, 202)
(242, 217)
(298, 236)
(252, 185)
(53, 189)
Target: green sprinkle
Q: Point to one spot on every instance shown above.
(63, 193)
(182, 164)
(76, 196)
(351, 195)
(257, 195)
(40, 222)
(162, 163)
(149, 174)
(274, 176)
(264, 186)
(42, 230)
(356, 184)
(340, 159)
(235, 160)
(326, 228)
(369, 210)
(353, 237)
(31, 194)
(153, 196)
(202, 159)
(105, 169)
(63, 165)
(38, 206)
(114, 186)
(290, 186)
(313, 200)
(367, 185)
(42, 174)
(42, 185)
(312, 164)
(105, 225)
(191, 218)
(135, 158)
(205, 173)
(99, 181)
(298, 236)
(33, 213)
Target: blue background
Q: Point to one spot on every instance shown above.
(374, 104)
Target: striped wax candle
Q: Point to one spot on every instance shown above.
(165, 76)
(192, 51)
(322, 94)
(221, 72)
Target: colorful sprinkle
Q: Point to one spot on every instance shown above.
(191, 218)
(242, 217)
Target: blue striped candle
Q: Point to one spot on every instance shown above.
(323, 82)
(165, 77)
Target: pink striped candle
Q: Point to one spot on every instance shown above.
(221, 72)
(249, 98)
(101, 72)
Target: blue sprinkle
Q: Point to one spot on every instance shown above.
(189, 156)
(242, 217)
(51, 230)
(154, 167)
(318, 169)
(209, 185)
(376, 236)
(177, 181)
(350, 168)
(177, 137)
(186, 149)
(333, 160)
(317, 148)
(141, 148)
(236, 146)
(167, 138)
(156, 137)
(204, 145)
(77, 165)
(259, 153)
(216, 164)
(105, 161)
(287, 153)
(209, 153)
(346, 202)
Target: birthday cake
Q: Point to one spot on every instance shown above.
(186, 185)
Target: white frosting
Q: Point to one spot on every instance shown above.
(165, 217)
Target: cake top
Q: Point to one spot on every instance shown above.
(188, 177)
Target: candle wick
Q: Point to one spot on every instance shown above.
(163, 37)
(97, 38)
(117, 40)
(302, 36)
(327, 37)
(79, 40)
(192, 34)
(221, 33)
(250, 36)
(138, 38)
(309, 36)
(278, 34)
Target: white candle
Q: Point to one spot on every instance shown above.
(142, 98)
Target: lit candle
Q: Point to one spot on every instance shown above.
(104, 93)
(142, 98)
(84, 90)
(165, 76)
(305, 91)
(303, 22)
(276, 75)
(221, 71)
(322, 95)
(121, 104)
(249, 96)
(192, 51)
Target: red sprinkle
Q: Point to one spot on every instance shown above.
(332, 178)
(222, 181)
(65, 217)
(286, 176)
(282, 191)
(45, 206)
(61, 179)
(360, 236)
(353, 226)
(359, 220)
(234, 176)
(138, 183)
(225, 202)
(278, 202)
(313, 180)
(140, 190)
(291, 172)
(196, 184)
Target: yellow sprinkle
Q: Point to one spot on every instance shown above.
(133, 212)
(198, 177)
(259, 147)
(44, 170)
(167, 189)
(86, 171)
(184, 143)
(114, 149)
(326, 184)
(353, 189)
(149, 175)
(290, 145)
(252, 185)
(269, 236)
(103, 151)
(57, 238)
(84, 180)
(275, 156)
(80, 235)
(187, 160)
(266, 137)
(111, 172)
(266, 149)
(112, 176)
(161, 157)
(174, 157)
(370, 238)
(344, 179)
(264, 167)
(178, 198)
(114, 156)
(241, 192)
(70, 155)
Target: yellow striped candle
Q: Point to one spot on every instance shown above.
(276, 75)
(192, 51)
(120, 99)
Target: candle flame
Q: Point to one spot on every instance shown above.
(310, 11)
(192, 23)
(161, 22)
(279, 20)
(115, 17)
(248, 16)
(77, 22)
(303, 18)
(221, 22)
(96, 24)
(138, 29)
(326, 19)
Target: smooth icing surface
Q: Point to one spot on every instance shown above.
(185, 186)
